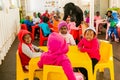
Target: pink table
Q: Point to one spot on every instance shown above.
(102, 21)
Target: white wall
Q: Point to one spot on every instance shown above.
(9, 27)
(39, 5)
(103, 7)
(115, 3)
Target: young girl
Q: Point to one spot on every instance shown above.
(56, 55)
(26, 49)
(63, 30)
(90, 44)
(97, 18)
(68, 19)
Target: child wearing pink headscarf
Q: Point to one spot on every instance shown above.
(63, 31)
(56, 55)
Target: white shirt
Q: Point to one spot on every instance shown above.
(27, 51)
(69, 38)
(36, 20)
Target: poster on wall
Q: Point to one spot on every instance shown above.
(51, 5)
(42, 5)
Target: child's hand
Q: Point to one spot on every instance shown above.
(82, 50)
(39, 50)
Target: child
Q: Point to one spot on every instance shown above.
(72, 24)
(63, 30)
(108, 17)
(46, 14)
(97, 18)
(112, 29)
(68, 19)
(44, 26)
(90, 44)
(73, 30)
(28, 23)
(87, 20)
(56, 55)
(36, 20)
(56, 21)
(26, 49)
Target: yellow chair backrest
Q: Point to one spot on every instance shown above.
(106, 61)
(52, 72)
(20, 74)
(105, 51)
(19, 65)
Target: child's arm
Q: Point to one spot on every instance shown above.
(72, 41)
(80, 45)
(94, 48)
(40, 63)
(27, 51)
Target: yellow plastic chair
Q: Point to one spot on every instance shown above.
(77, 58)
(51, 72)
(20, 74)
(78, 61)
(106, 61)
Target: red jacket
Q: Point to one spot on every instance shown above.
(24, 58)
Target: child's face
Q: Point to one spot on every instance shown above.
(27, 38)
(88, 15)
(109, 13)
(27, 18)
(97, 13)
(68, 20)
(56, 18)
(63, 30)
(89, 35)
(34, 14)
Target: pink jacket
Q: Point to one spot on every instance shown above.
(91, 47)
(56, 55)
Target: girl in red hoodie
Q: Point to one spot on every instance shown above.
(26, 49)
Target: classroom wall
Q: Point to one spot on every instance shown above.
(9, 27)
(114, 3)
(42, 5)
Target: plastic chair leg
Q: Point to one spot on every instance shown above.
(112, 72)
(41, 43)
(90, 73)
